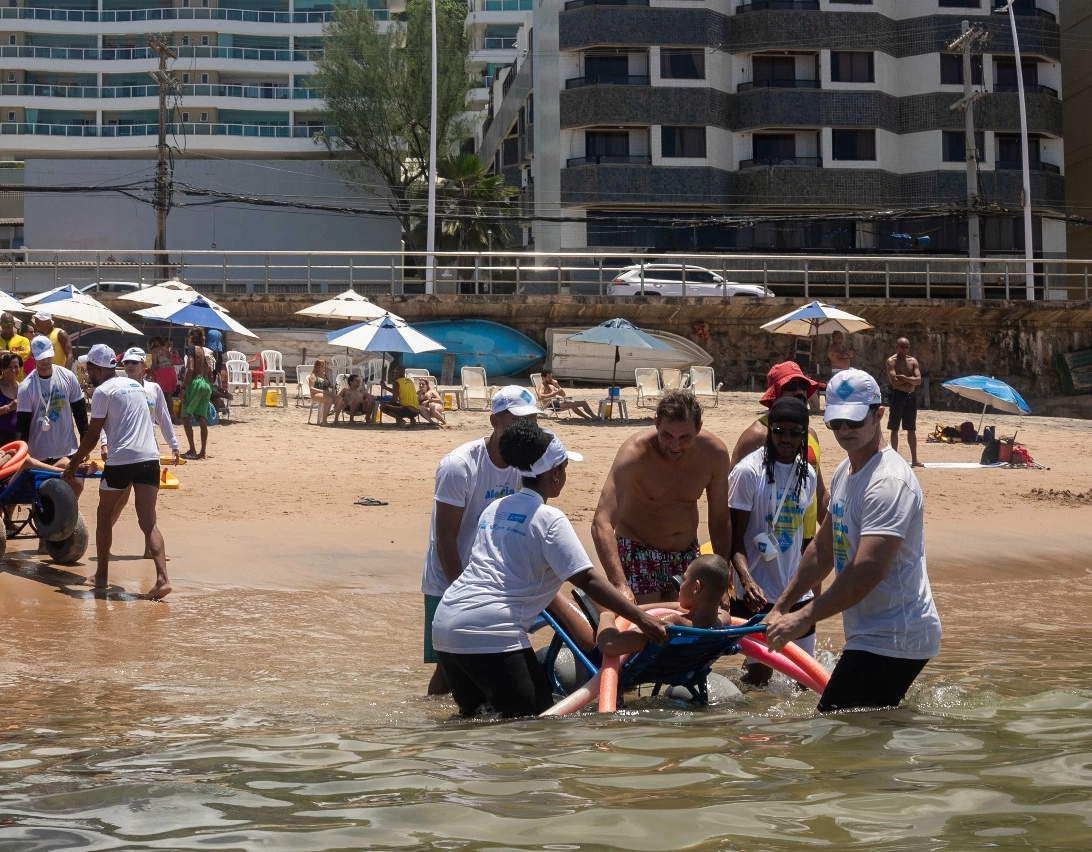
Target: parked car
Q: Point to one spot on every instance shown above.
(666, 279)
(114, 287)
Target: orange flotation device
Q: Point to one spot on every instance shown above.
(19, 451)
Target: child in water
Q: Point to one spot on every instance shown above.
(703, 587)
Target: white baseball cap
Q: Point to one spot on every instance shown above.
(133, 353)
(44, 316)
(103, 356)
(555, 454)
(41, 347)
(516, 400)
(849, 395)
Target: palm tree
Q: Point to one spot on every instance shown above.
(473, 209)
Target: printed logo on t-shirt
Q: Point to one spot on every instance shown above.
(788, 522)
(841, 535)
(497, 493)
(516, 518)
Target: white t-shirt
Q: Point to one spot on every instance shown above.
(157, 407)
(465, 477)
(749, 489)
(52, 398)
(897, 618)
(123, 406)
(523, 552)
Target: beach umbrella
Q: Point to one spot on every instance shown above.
(39, 297)
(990, 392)
(618, 333)
(68, 303)
(168, 293)
(198, 313)
(11, 305)
(383, 334)
(349, 305)
(814, 319)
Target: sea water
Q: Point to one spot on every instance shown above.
(249, 720)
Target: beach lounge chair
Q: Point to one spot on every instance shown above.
(476, 391)
(551, 406)
(701, 385)
(672, 378)
(303, 392)
(649, 389)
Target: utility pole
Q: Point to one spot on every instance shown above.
(162, 196)
(972, 38)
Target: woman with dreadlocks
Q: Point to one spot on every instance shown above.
(768, 492)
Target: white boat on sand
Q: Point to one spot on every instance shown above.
(594, 362)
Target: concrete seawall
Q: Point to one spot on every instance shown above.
(1014, 341)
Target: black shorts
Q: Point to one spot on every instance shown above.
(118, 477)
(513, 683)
(904, 411)
(740, 610)
(864, 679)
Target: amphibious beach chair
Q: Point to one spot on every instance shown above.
(52, 513)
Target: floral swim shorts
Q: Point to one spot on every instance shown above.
(650, 570)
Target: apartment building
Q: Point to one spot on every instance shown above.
(693, 125)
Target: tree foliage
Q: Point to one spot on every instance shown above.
(377, 88)
(471, 207)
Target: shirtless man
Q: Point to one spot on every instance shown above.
(904, 376)
(839, 355)
(645, 527)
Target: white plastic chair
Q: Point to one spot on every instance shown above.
(273, 372)
(303, 391)
(672, 378)
(415, 373)
(703, 387)
(341, 382)
(649, 389)
(475, 389)
(238, 379)
(234, 355)
(338, 364)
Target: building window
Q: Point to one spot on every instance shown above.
(11, 116)
(510, 151)
(606, 143)
(11, 39)
(955, 150)
(204, 41)
(11, 77)
(852, 66)
(681, 63)
(608, 68)
(682, 141)
(1004, 75)
(185, 118)
(185, 78)
(1008, 151)
(770, 70)
(960, 4)
(951, 69)
(204, 116)
(204, 78)
(185, 40)
(774, 147)
(853, 144)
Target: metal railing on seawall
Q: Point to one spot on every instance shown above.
(896, 276)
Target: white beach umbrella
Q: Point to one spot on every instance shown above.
(384, 334)
(41, 297)
(197, 313)
(168, 293)
(68, 303)
(814, 319)
(12, 305)
(349, 305)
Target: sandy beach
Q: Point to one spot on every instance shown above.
(273, 507)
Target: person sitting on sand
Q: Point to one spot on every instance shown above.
(552, 396)
(524, 550)
(353, 400)
(321, 390)
(403, 405)
(430, 404)
(704, 585)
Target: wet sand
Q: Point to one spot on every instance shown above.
(272, 510)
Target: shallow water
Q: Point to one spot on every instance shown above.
(251, 720)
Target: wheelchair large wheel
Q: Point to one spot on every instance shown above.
(58, 510)
(3, 539)
(69, 551)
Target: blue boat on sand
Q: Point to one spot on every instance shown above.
(501, 350)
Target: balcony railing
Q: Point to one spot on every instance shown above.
(176, 14)
(610, 160)
(277, 131)
(778, 5)
(1028, 90)
(277, 93)
(124, 54)
(1015, 166)
(798, 162)
(778, 84)
(499, 43)
(580, 4)
(607, 80)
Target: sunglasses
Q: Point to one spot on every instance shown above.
(835, 425)
(780, 431)
(795, 385)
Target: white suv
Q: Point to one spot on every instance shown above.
(115, 287)
(666, 279)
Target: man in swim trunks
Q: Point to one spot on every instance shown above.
(904, 376)
(645, 527)
(196, 393)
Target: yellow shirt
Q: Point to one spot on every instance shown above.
(17, 344)
(59, 356)
(407, 394)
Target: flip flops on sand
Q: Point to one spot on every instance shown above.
(370, 501)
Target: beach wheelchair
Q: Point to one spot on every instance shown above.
(46, 504)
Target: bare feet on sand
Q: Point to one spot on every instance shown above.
(148, 555)
(159, 591)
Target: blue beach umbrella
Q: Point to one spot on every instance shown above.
(990, 392)
(383, 334)
(618, 333)
(197, 313)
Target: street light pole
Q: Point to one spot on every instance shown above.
(430, 237)
(1029, 253)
